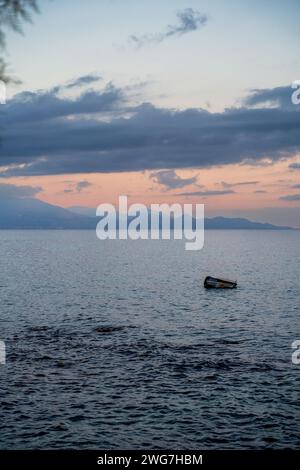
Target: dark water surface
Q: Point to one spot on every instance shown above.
(117, 345)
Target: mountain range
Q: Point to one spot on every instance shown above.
(31, 213)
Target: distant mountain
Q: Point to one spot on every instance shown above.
(35, 214)
(87, 211)
(215, 223)
(29, 213)
(224, 223)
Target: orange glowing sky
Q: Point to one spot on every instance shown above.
(267, 184)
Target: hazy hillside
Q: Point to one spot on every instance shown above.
(35, 214)
(216, 223)
(29, 213)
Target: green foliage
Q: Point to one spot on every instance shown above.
(12, 14)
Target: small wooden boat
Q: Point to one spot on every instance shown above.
(217, 283)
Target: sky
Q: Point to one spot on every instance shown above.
(163, 101)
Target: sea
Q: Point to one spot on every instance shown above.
(117, 345)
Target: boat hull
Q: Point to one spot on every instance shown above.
(217, 283)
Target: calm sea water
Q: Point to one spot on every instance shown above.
(117, 345)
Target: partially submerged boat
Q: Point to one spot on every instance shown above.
(217, 283)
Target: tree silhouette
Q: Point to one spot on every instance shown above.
(12, 14)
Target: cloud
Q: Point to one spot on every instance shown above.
(242, 183)
(77, 83)
(188, 20)
(82, 185)
(83, 80)
(171, 180)
(296, 186)
(76, 187)
(260, 191)
(47, 105)
(291, 197)
(11, 191)
(100, 132)
(294, 166)
(273, 97)
(207, 193)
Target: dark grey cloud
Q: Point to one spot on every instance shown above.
(47, 105)
(260, 191)
(83, 80)
(10, 191)
(77, 187)
(82, 185)
(171, 180)
(43, 133)
(276, 97)
(294, 166)
(188, 20)
(291, 197)
(207, 193)
(76, 84)
(296, 186)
